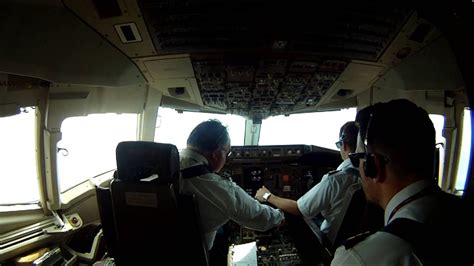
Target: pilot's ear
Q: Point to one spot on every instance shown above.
(215, 154)
(380, 165)
(346, 147)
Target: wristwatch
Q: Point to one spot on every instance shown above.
(266, 196)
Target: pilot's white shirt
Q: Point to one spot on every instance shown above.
(327, 197)
(383, 248)
(220, 200)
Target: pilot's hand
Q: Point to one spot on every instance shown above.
(260, 192)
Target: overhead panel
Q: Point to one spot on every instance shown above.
(247, 58)
(256, 62)
(259, 87)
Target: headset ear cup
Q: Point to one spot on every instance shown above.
(364, 165)
(369, 166)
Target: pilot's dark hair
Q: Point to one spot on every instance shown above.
(209, 136)
(402, 131)
(348, 134)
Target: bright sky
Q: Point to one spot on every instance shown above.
(18, 178)
(319, 128)
(465, 151)
(173, 127)
(91, 142)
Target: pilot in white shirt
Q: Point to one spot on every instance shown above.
(219, 199)
(395, 155)
(328, 196)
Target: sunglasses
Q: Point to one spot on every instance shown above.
(355, 158)
(228, 153)
(339, 143)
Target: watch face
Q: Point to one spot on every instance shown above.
(266, 196)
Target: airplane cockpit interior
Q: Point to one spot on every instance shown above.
(98, 98)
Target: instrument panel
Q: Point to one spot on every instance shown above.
(288, 171)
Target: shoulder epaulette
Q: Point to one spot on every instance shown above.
(333, 172)
(354, 240)
(353, 171)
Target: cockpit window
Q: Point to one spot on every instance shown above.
(465, 154)
(438, 123)
(88, 143)
(319, 128)
(174, 127)
(18, 174)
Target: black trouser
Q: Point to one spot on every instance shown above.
(220, 248)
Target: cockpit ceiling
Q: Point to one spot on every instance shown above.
(236, 27)
(250, 58)
(258, 61)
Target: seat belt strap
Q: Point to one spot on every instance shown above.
(417, 234)
(197, 170)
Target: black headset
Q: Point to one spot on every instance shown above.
(370, 170)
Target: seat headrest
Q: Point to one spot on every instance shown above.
(141, 159)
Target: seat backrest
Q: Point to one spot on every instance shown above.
(142, 159)
(194, 244)
(146, 222)
(356, 216)
(146, 209)
(352, 204)
(106, 213)
(359, 216)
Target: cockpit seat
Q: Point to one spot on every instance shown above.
(357, 216)
(152, 223)
(360, 216)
